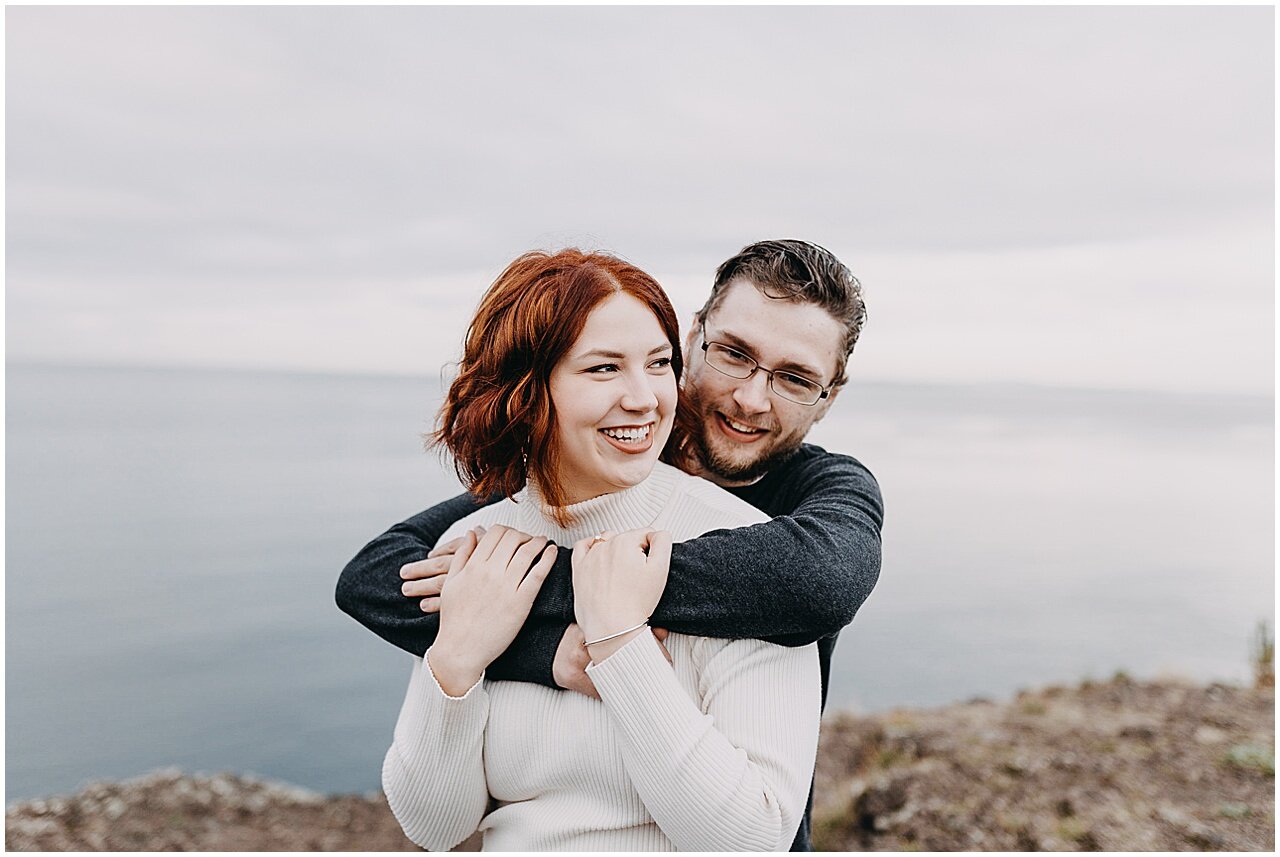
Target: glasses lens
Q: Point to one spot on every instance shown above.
(730, 361)
(802, 391)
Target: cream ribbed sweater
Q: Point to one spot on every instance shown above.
(713, 755)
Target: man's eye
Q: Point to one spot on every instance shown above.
(795, 382)
(736, 356)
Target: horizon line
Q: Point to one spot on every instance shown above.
(21, 363)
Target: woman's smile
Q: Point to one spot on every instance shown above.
(630, 439)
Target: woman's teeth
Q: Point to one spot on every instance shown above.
(628, 435)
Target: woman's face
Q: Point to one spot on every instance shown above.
(614, 394)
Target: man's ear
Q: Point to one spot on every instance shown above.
(695, 327)
(825, 405)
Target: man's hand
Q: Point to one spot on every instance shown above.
(569, 669)
(425, 578)
(570, 666)
(660, 634)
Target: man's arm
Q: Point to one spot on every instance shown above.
(792, 580)
(369, 591)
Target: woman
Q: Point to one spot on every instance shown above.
(566, 397)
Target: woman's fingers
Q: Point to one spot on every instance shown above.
(524, 556)
(463, 553)
(486, 544)
(637, 539)
(430, 605)
(507, 546)
(659, 550)
(500, 544)
(598, 540)
(538, 573)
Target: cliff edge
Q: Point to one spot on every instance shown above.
(1117, 765)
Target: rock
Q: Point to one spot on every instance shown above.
(1210, 735)
(114, 808)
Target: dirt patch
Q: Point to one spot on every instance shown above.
(167, 811)
(1119, 765)
(1116, 766)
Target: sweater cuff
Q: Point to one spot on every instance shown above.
(641, 657)
(426, 668)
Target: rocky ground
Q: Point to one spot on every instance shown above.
(1115, 766)
(1118, 765)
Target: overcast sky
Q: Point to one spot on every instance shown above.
(1077, 196)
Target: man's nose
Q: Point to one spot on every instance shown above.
(752, 394)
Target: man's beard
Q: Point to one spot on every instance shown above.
(732, 469)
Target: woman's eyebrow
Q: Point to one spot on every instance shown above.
(618, 355)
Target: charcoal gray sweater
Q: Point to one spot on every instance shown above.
(796, 579)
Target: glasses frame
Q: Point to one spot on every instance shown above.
(756, 367)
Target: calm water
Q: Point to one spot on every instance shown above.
(173, 538)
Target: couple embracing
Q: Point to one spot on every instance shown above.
(623, 631)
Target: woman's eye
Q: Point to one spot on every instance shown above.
(661, 363)
(604, 368)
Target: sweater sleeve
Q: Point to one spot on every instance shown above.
(792, 580)
(369, 591)
(734, 773)
(433, 774)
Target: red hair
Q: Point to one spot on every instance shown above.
(498, 420)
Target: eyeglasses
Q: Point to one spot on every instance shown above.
(728, 360)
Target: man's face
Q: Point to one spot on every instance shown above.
(746, 428)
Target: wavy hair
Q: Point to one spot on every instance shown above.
(498, 420)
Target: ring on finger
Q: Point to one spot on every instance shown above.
(598, 538)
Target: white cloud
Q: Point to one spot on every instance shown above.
(1096, 183)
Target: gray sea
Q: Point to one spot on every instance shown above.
(173, 538)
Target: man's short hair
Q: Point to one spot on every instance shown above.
(792, 270)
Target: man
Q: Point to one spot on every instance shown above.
(766, 359)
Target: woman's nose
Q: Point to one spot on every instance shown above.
(639, 395)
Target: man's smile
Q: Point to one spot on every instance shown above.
(739, 431)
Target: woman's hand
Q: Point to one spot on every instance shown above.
(486, 598)
(617, 583)
(425, 578)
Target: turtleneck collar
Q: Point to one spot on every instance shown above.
(632, 508)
